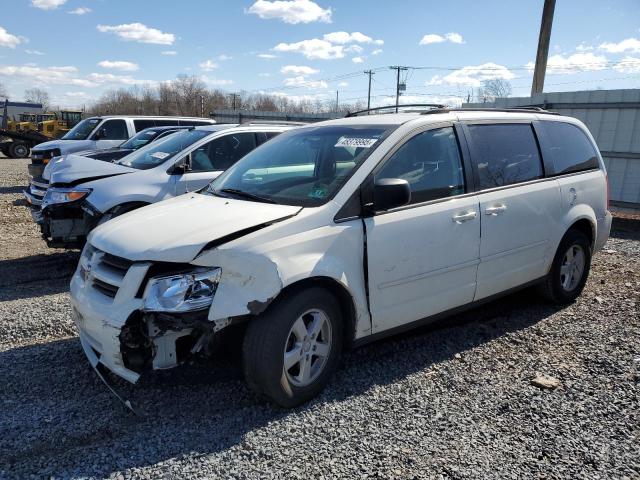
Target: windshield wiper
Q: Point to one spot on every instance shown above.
(243, 194)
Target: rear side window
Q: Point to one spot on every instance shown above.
(222, 152)
(142, 124)
(431, 163)
(168, 123)
(569, 149)
(505, 154)
(115, 130)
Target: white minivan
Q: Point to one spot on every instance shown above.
(341, 232)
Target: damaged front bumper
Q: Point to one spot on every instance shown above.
(67, 225)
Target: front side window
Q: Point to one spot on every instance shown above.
(114, 130)
(505, 154)
(431, 163)
(161, 151)
(221, 153)
(570, 149)
(82, 130)
(303, 167)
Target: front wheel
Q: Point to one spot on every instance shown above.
(570, 269)
(18, 150)
(291, 350)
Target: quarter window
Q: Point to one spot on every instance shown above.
(431, 163)
(222, 152)
(505, 154)
(569, 148)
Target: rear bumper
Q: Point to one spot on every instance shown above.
(603, 231)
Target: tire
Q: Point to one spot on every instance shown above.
(270, 335)
(566, 280)
(18, 150)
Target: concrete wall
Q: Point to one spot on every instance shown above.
(613, 116)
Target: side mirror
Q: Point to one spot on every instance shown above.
(100, 134)
(183, 166)
(391, 193)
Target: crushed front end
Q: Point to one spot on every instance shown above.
(138, 316)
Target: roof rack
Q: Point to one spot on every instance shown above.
(403, 106)
(523, 109)
(273, 122)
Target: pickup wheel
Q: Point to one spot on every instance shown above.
(18, 150)
(570, 269)
(291, 350)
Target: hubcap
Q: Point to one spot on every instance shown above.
(307, 348)
(572, 267)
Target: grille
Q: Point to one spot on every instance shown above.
(107, 271)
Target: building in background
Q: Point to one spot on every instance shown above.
(613, 117)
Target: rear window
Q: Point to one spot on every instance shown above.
(569, 149)
(505, 154)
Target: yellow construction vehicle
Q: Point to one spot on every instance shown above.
(59, 124)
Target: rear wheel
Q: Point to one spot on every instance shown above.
(291, 351)
(570, 269)
(18, 150)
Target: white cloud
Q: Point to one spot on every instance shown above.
(47, 4)
(357, 60)
(313, 49)
(629, 45)
(291, 11)
(139, 32)
(454, 37)
(215, 82)
(45, 76)
(208, 66)
(109, 78)
(473, 75)
(431, 38)
(8, 40)
(331, 46)
(119, 65)
(578, 62)
(264, 75)
(583, 47)
(298, 70)
(76, 94)
(267, 56)
(628, 65)
(224, 58)
(80, 11)
(377, 51)
(169, 52)
(33, 52)
(343, 84)
(301, 81)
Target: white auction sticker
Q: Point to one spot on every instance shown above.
(160, 155)
(356, 142)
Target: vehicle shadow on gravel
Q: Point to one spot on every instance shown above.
(37, 275)
(55, 410)
(9, 190)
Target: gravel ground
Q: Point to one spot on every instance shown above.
(449, 402)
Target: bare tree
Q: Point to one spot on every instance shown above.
(38, 95)
(3, 92)
(496, 88)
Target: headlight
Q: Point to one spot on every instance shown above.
(182, 293)
(64, 195)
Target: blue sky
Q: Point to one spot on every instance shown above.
(77, 49)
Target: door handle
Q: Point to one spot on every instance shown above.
(496, 210)
(464, 217)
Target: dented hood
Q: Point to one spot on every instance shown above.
(74, 168)
(176, 230)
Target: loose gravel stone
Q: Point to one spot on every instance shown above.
(451, 401)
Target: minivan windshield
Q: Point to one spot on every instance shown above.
(158, 152)
(82, 130)
(302, 167)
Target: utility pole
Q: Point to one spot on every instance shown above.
(233, 100)
(337, 102)
(543, 47)
(202, 106)
(370, 73)
(398, 69)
